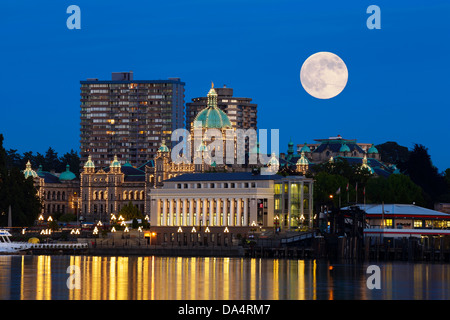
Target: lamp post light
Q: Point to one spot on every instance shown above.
(276, 222)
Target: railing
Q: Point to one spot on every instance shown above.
(58, 246)
(299, 237)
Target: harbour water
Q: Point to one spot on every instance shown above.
(45, 277)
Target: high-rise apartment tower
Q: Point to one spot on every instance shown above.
(128, 118)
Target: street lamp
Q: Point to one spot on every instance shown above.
(276, 222)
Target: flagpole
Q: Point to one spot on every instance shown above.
(348, 195)
(364, 192)
(356, 192)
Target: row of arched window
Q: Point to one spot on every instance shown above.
(127, 195)
(54, 195)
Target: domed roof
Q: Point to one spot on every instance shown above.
(28, 172)
(273, 161)
(163, 147)
(128, 164)
(67, 175)
(305, 148)
(372, 149)
(115, 163)
(344, 148)
(89, 163)
(303, 161)
(212, 117)
(365, 165)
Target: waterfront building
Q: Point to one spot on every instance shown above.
(241, 112)
(404, 220)
(235, 199)
(59, 192)
(128, 118)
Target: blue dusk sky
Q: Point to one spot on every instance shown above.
(397, 89)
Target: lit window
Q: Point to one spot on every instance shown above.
(417, 223)
(388, 222)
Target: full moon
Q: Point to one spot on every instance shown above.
(324, 75)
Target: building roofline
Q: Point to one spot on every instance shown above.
(129, 81)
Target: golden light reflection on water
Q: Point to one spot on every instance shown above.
(210, 278)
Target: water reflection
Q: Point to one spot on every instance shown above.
(209, 278)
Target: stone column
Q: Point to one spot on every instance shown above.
(245, 212)
(191, 212)
(171, 212)
(197, 212)
(177, 213)
(232, 211)
(164, 222)
(217, 222)
(205, 211)
(239, 211)
(211, 211)
(184, 215)
(155, 212)
(225, 213)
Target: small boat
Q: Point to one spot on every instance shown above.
(8, 246)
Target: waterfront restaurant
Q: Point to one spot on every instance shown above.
(404, 220)
(219, 207)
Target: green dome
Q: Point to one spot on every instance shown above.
(344, 148)
(28, 172)
(303, 161)
(305, 148)
(127, 164)
(273, 161)
(67, 175)
(89, 163)
(163, 147)
(372, 149)
(115, 163)
(212, 118)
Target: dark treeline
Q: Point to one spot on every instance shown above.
(50, 161)
(16, 193)
(417, 165)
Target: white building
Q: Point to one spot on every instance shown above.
(238, 199)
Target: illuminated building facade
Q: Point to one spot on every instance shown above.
(236, 199)
(128, 118)
(106, 191)
(59, 192)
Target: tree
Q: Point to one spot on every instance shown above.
(423, 173)
(13, 159)
(72, 159)
(130, 211)
(392, 152)
(447, 176)
(327, 184)
(51, 160)
(397, 188)
(18, 193)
